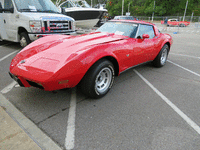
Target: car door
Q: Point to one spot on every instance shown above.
(3, 34)
(9, 21)
(143, 48)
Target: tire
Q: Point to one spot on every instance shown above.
(24, 39)
(182, 25)
(98, 80)
(161, 58)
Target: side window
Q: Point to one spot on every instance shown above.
(8, 4)
(146, 29)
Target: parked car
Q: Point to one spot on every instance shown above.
(90, 60)
(175, 22)
(24, 21)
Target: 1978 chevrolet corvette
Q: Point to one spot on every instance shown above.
(90, 60)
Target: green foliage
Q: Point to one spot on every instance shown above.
(146, 7)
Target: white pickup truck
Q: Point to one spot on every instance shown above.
(27, 20)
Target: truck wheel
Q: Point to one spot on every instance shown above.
(99, 79)
(161, 58)
(24, 39)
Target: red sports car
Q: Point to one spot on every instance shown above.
(90, 60)
(175, 22)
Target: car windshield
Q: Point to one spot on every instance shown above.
(75, 3)
(36, 6)
(124, 18)
(120, 28)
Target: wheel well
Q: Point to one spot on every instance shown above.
(21, 29)
(168, 44)
(115, 63)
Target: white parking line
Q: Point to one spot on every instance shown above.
(185, 55)
(174, 107)
(1, 59)
(185, 68)
(9, 87)
(70, 135)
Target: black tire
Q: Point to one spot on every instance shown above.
(24, 39)
(98, 80)
(161, 58)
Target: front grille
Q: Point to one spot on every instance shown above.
(35, 84)
(57, 26)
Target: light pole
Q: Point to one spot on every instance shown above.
(153, 10)
(129, 6)
(185, 10)
(122, 7)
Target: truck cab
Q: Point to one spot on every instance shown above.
(27, 20)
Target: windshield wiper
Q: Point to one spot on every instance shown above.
(27, 10)
(49, 11)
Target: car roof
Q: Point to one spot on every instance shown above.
(134, 21)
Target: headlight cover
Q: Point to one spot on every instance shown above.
(35, 26)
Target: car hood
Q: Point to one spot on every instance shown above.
(52, 52)
(45, 16)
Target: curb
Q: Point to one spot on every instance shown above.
(40, 138)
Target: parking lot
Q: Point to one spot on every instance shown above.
(147, 108)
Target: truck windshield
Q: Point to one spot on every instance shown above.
(36, 6)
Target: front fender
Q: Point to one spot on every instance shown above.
(75, 69)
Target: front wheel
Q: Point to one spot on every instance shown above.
(99, 79)
(24, 39)
(161, 58)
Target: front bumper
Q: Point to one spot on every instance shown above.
(47, 86)
(16, 79)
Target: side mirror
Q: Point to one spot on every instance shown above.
(1, 9)
(9, 9)
(145, 36)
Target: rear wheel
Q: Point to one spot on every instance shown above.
(24, 39)
(99, 79)
(182, 25)
(161, 58)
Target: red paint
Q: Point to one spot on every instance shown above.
(176, 23)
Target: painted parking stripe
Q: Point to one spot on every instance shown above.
(185, 55)
(70, 134)
(184, 68)
(1, 59)
(174, 107)
(9, 87)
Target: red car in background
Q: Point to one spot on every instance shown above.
(175, 22)
(90, 60)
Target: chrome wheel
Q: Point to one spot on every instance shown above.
(161, 58)
(103, 80)
(23, 41)
(99, 79)
(164, 56)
